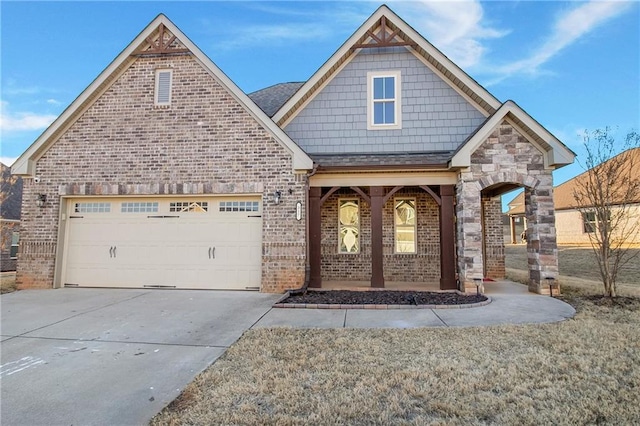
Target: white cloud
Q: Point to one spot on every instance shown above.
(454, 27)
(23, 121)
(53, 102)
(568, 28)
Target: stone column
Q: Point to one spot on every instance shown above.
(469, 226)
(542, 250)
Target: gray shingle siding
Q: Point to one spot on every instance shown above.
(434, 116)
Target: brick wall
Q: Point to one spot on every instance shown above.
(493, 238)
(205, 143)
(424, 266)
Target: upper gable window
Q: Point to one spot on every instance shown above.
(163, 87)
(383, 95)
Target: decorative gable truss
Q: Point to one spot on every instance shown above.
(160, 38)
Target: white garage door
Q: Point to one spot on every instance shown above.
(208, 243)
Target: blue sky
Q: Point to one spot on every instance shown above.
(571, 65)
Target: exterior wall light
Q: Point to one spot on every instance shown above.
(277, 196)
(41, 200)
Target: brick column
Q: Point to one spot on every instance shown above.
(315, 238)
(377, 270)
(493, 238)
(542, 249)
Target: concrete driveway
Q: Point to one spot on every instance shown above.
(94, 356)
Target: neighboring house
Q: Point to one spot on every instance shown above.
(573, 226)
(11, 199)
(387, 165)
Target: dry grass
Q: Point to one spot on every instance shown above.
(581, 371)
(7, 282)
(575, 262)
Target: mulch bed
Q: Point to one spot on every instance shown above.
(383, 297)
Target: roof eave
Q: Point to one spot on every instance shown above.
(25, 164)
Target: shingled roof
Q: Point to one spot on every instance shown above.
(271, 99)
(422, 160)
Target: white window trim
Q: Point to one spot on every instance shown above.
(157, 87)
(397, 105)
(357, 200)
(395, 226)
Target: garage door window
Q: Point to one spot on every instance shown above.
(239, 206)
(189, 206)
(93, 207)
(139, 208)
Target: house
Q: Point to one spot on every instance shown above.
(574, 224)
(11, 198)
(386, 166)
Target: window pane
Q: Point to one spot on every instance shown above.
(378, 113)
(405, 225)
(389, 113)
(378, 88)
(389, 89)
(349, 219)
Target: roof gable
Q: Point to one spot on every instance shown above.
(161, 36)
(385, 28)
(556, 154)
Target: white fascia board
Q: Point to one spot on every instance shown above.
(315, 78)
(25, 164)
(413, 35)
(558, 155)
(301, 161)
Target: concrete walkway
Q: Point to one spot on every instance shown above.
(511, 304)
(113, 356)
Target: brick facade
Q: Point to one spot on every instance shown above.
(507, 157)
(493, 238)
(423, 266)
(204, 143)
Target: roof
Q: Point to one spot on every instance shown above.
(460, 81)
(271, 99)
(11, 194)
(563, 197)
(404, 160)
(556, 154)
(25, 164)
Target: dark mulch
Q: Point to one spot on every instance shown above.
(384, 297)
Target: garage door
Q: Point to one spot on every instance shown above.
(205, 243)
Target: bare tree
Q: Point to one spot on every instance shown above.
(608, 197)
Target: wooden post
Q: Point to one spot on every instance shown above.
(377, 259)
(512, 227)
(447, 239)
(315, 239)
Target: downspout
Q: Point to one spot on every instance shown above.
(307, 265)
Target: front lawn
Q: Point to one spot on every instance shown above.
(581, 371)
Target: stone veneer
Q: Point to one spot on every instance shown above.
(493, 238)
(507, 157)
(424, 266)
(204, 143)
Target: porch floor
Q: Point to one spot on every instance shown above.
(388, 285)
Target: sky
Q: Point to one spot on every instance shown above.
(573, 65)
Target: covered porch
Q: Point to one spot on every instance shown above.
(382, 230)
